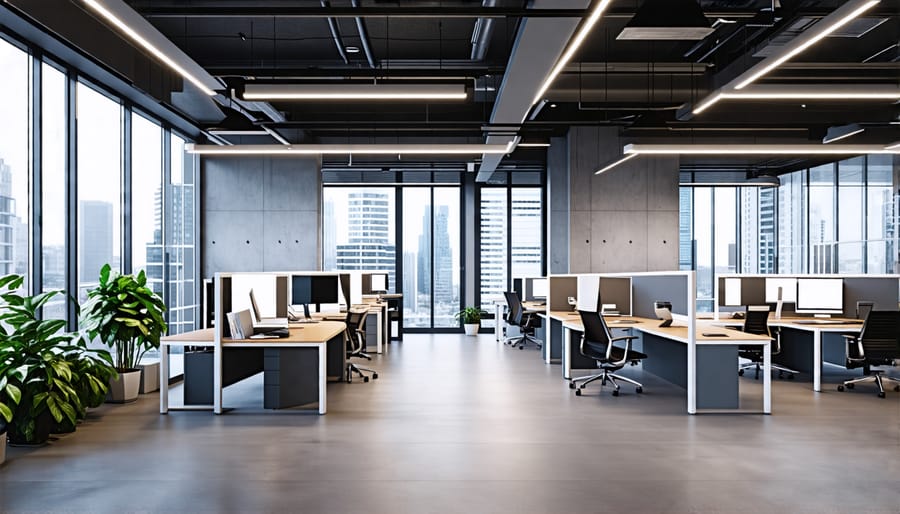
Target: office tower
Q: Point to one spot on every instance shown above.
(443, 257)
(685, 232)
(7, 221)
(368, 245)
(423, 278)
(96, 228)
(526, 242)
(329, 237)
(767, 220)
(493, 245)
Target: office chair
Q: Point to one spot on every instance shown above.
(756, 321)
(526, 322)
(356, 342)
(877, 344)
(597, 343)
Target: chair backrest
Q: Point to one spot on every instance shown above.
(756, 320)
(515, 307)
(355, 334)
(595, 330)
(880, 335)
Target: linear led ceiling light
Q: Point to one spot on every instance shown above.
(615, 163)
(139, 30)
(355, 92)
(840, 17)
(367, 149)
(893, 146)
(799, 92)
(574, 44)
(749, 149)
(841, 132)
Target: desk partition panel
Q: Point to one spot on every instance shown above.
(647, 289)
(882, 291)
(561, 288)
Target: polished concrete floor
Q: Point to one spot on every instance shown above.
(458, 424)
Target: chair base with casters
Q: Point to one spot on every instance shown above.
(606, 376)
(757, 366)
(876, 376)
(520, 341)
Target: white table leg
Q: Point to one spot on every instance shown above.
(817, 360)
(217, 380)
(380, 336)
(323, 376)
(498, 322)
(767, 378)
(163, 379)
(566, 355)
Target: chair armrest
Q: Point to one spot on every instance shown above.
(625, 358)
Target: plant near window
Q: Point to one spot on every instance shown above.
(471, 318)
(127, 316)
(38, 381)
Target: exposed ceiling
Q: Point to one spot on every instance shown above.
(641, 86)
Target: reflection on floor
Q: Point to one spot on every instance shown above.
(466, 424)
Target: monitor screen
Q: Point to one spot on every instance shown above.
(379, 281)
(788, 290)
(539, 288)
(732, 292)
(324, 289)
(301, 290)
(820, 295)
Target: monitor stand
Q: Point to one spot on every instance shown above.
(821, 315)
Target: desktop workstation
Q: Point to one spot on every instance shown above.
(533, 293)
(811, 312)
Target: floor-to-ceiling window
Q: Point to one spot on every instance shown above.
(792, 223)
(146, 197)
(53, 187)
(821, 219)
(881, 216)
(99, 185)
(180, 253)
(15, 122)
(850, 246)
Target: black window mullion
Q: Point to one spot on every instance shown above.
(125, 173)
(71, 206)
(34, 216)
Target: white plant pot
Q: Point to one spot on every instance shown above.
(149, 377)
(471, 328)
(125, 388)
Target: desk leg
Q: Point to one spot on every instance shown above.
(217, 380)
(323, 377)
(380, 337)
(817, 360)
(767, 378)
(566, 354)
(163, 379)
(498, 322)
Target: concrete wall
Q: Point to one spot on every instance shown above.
(558, 208)
(625, 219)
(261, 214)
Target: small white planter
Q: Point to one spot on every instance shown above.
(125, 388)
(149, 377)
(471, 328)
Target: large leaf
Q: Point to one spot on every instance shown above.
(6, 413)
(14, 393)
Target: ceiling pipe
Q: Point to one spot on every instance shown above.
(482, 33)
(335, 35)
(363, 36)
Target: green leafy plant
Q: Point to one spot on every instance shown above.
(37, 365)
(126, 315)
(470, 315)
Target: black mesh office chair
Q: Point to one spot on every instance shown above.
(356, 343)
(597, 343)
(526, 322)
(877, 344)
(756, 321)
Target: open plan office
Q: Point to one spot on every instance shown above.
(455, 256)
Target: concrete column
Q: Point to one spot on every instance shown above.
(558, 206)
(625, 219)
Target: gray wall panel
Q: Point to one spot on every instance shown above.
(558, 210)
(234, 184)
(662, 240)
(882, 291)
(288, 244)
(225, 236)
(618, 241)
(646, 290)
(292, 185)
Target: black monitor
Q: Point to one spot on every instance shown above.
(314, 289)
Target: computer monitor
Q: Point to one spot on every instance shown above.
(820, 296)
(788, 290)
(732, 293)
(539, 289)
(301, 291)
(314, 289)
(379, 282)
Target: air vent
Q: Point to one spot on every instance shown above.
(672, 20)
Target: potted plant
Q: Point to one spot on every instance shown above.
(471, 318)
(92, 371)
(36, 378)
(128, 317)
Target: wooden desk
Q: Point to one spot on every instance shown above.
(707, 375)
(290, 354)
(555, 333)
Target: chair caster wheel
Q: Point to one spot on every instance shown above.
(615, 393)
(740, 372)
(791, 376)
(639, 390)
(522, 347)
(851, 386)
(571, 385)
(374, 376)
(840, 388)
(578, 392)
(365, 379)
(881, 394)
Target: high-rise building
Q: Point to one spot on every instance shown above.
(368, 246)
(423, 277)
(443, 257)
(7, 221)
(95, 222)
(329, 237)
(493, 246)
(685, 229)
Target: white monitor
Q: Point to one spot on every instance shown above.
(379, 281)
(788, 289)
(820, 296)
(539, 288)
(733, 292)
